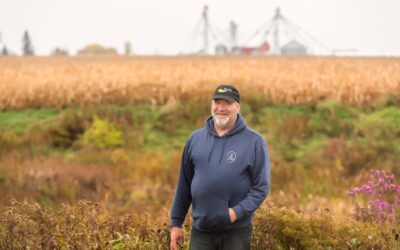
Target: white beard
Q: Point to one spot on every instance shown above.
(221, 123)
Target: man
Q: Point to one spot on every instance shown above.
(225, 175)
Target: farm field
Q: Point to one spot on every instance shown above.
(90, 148)
(75, 81)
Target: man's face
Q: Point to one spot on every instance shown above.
(224, 113)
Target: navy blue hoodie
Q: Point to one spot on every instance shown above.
(218, 173)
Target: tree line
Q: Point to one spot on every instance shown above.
(27, 46)
(91, 49)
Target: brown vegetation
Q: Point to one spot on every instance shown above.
(86, 226)
(75, 81)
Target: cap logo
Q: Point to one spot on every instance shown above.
(224, 90)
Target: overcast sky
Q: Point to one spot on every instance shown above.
(165, 27)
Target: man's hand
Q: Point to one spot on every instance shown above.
(232, 215)
(177, 238)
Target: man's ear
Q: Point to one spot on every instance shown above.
(238, 105)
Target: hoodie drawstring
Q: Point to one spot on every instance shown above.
(223, 149)
(212, 147)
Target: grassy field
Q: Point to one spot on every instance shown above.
(90, 147)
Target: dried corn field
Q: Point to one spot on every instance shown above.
(81, 81)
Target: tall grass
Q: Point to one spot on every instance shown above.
(85, 225)
(76, 81)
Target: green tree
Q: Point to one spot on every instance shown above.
(96, 49)
(59, 52)
(127, 48)
(27, 47)
(4, 51)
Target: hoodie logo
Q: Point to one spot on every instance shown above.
(231, 156)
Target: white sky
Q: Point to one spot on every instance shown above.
(163, 27)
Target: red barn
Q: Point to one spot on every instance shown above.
(263, 49)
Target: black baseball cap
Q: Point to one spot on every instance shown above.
(227, 92)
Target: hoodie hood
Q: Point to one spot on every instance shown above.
(239, 126)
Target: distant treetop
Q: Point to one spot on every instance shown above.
(96, 49)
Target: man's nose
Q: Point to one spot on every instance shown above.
(221, 107)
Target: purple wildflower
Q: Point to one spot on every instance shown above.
(383, 195)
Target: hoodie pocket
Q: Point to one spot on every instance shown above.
(210, 212)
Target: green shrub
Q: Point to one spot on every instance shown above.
(381, 124)
(101, 134)
(333, 119)
(174, 117)
(67, 129)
